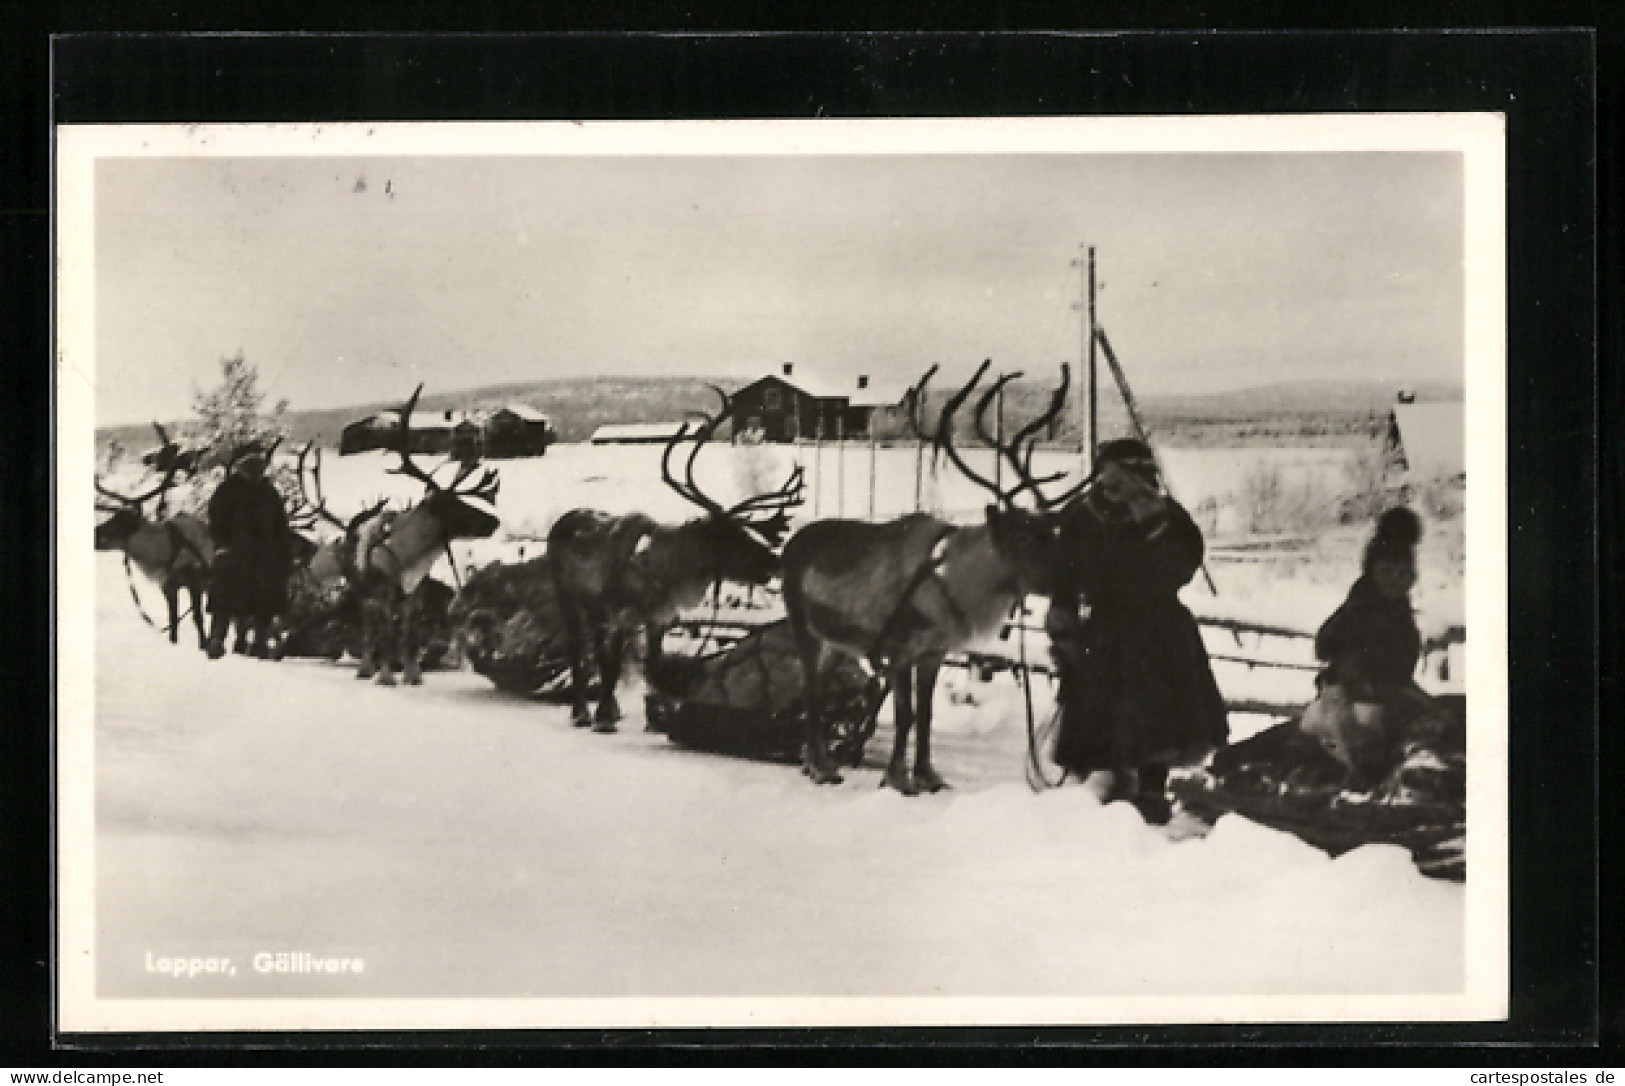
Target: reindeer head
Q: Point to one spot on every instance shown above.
(744, 539)
(127, 516)
(461, 513)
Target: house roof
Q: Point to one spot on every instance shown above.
(821, 388)
(522, 411)
(384, 421)
(1432, 437)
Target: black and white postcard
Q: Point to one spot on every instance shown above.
(877, 572)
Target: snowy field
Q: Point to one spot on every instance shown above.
(465, 843)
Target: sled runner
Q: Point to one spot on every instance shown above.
(747, 699)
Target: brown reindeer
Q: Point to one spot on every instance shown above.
(176, 551)
(899, 596)
(393, 556)
(615, 574)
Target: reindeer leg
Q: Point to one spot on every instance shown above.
(654, 636)
(925, 777)
(610, 641)
(902, 685)
(388, 639)
(816, 750)
(172, 597)
(411, 635)
(261, 646)
(369, 639)
(197, 617)
(576, 642)
(217, 636)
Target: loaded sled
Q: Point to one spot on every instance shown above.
(512, 631)
(1283, 779)
(747, 698)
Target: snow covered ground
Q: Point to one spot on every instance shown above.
(463, 843)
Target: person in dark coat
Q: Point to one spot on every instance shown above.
(1371, 646)
(1137, 691)
(252, 556)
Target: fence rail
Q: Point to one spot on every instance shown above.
(725, 631)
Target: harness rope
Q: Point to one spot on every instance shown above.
(882, 680)
(129, 578)
(1036, 778)
(177, 543)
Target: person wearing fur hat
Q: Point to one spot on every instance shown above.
(1371, 706)
(253, 553)
(1137, 690)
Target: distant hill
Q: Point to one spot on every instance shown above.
(1297, 410)
(577, 406)
(1329, 396)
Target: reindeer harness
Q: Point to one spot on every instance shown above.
(927, 570)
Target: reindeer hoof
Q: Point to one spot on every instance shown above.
(823, 774)
(900, 780)
(926, 780)
(414, 680)
(604, 727)
(385, 679)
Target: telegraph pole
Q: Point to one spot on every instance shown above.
(1086, 406)
(1094, 395)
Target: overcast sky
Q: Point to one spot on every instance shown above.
(350, 280)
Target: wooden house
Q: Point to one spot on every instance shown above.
(788, 407)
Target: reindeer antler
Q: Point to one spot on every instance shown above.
(140, 499)
(688, 488)
(1056, 406)
(1019, 450)
(915, 399)
(408, 468)
(485, 489)
(944, 438)
(776, 504)
(748, 513)
(317, 506)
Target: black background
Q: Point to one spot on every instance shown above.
(1563, 620)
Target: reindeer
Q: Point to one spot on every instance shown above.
(393, 556)
(899, 596)
(614, 574)
(323, 572)
(174, 551)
